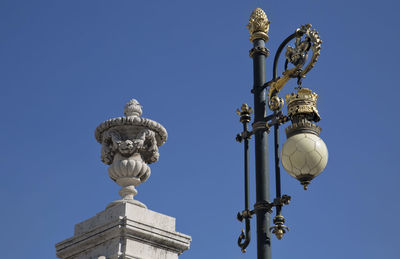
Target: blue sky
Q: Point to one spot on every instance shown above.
(66, 66)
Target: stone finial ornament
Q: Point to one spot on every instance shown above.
(133, 108)
(129, 144)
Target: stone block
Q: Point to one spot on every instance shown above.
(125, 230)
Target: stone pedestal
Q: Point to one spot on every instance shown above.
(125, 230)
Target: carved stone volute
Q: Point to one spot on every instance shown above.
(129, 144)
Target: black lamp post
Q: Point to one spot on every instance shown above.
(304, 154)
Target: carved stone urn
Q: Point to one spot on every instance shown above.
(129, 144)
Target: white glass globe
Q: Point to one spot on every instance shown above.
(304, 156)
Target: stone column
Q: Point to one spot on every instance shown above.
(126, 228)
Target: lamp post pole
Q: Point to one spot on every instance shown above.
(304, 154)
(258, 27)
(261, 152)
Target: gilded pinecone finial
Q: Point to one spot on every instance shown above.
(258, 25)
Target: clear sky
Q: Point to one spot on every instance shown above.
(66, 66)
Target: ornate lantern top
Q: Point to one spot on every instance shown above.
(303, 102)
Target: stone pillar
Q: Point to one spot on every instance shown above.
(126, 228)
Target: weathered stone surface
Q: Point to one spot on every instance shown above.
(129, 144)
(122, 231)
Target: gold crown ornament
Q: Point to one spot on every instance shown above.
(304, 102)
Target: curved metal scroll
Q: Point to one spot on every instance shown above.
(296, 56)
(244, 238)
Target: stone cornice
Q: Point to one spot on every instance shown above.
(126, 229)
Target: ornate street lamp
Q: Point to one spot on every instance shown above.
(304, 154)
